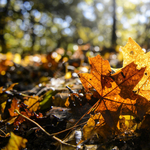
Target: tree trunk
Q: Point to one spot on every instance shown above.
(3, 15)
(114, 36)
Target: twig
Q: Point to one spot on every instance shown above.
(3, 132)
(54, 137)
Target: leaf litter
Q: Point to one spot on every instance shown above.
(109, 110)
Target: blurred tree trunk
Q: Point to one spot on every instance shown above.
(114, 36)
(147, 39)
(3, 16)
(33, 36)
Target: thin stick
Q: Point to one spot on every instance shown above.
(3, 132)
(54, 137)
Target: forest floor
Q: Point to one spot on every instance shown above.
(43, 105)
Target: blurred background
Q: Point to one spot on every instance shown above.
(37, 26)
(50, 38)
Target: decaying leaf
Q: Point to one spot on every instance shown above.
(32, 103)
(15, 142)
(133, 52)
(14, 105)
(21, 119)
(126, 122)
(94, 122)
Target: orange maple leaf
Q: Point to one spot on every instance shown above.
(115, 90)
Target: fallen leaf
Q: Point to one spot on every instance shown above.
(117, 89)
(14, 105)
(116, 96)
(11, 87)
(47, 100)
(32, 103)
(15, 142)
(94, 122)
(21, 119)
(133, 52)
(100, 70)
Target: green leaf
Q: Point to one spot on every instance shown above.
(47, 100)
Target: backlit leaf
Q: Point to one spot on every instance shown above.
(116, 89)
(133, 52)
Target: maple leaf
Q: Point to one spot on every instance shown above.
(100, 71)
(133, 52)
(115, 90)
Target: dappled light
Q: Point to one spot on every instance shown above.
(31, 28)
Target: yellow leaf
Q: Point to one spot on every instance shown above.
(133, 52)
(3, 105)
(11, 87)
(33, 103)
(126, 122)
(68, 75)
(15, 142)
(94, 122)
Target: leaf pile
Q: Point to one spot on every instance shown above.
(110, 111)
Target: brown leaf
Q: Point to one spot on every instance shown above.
(21, 119)
(14, 105)
(11, 87)
(32, 103)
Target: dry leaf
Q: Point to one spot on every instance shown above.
(116, 96)
(117, 89)
(133, 52)
(11, 87)
(94, 122)
(32, 103)
(14, 105)
(15, 142)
